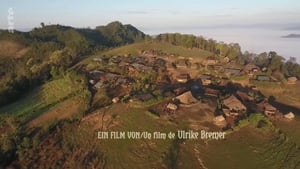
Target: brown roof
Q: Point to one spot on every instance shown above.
(233, 103)
(219, 118)
(269, 107)
(292, 79)
(180, 90)
(211, 92)
(289, 115)
(172, 106)
(249, 67)
(183, 77)
(187, 98)
(243, 96)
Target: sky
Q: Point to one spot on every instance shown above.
(151, 15)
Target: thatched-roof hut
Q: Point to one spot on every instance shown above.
(220, 121)
(211, 92)
(234, 104)
(269, 109)
(187, 98)
(115, 100)
(183, 78)
(289, 115)
(172, 106)
(244, 97)
(250, 68)
(292, 80)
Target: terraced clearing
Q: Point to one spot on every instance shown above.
(250, 148)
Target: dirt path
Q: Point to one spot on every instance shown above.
(197, 153)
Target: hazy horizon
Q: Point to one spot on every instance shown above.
(243, 22)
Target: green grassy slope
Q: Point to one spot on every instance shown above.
(44, 97)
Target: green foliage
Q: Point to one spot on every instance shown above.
(273, 62)
(52, 50)
(145, 81)
(190, 41)
(276, 61)
(101, 99)
(21, 37)
(258, 120)
(44, 97)
(118, 34)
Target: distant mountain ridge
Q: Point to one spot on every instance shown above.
(110, 35)
(292, 36)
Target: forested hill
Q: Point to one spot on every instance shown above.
(116, 33)
(30, 58)
(232, 50)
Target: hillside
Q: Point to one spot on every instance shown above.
(72, 86)
(35, 55)
(12, 49)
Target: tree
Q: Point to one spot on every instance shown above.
(276, 61)
(262, 60)
(42, 24)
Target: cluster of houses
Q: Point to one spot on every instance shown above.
(233, 105)
(230, 69)
(127, 68)
(240, 104)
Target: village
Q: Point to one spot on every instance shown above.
(186, 84)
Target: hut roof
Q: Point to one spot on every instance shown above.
(289, 115)
(172, 106)
(263, 78)
(182, 78)
(233, 103)
(220, 121)
(243, 96)
(269, 107)
(219, 118)
(187, 98)
(211, 92)
(180, 90)
(292, 79)
(249, 67)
